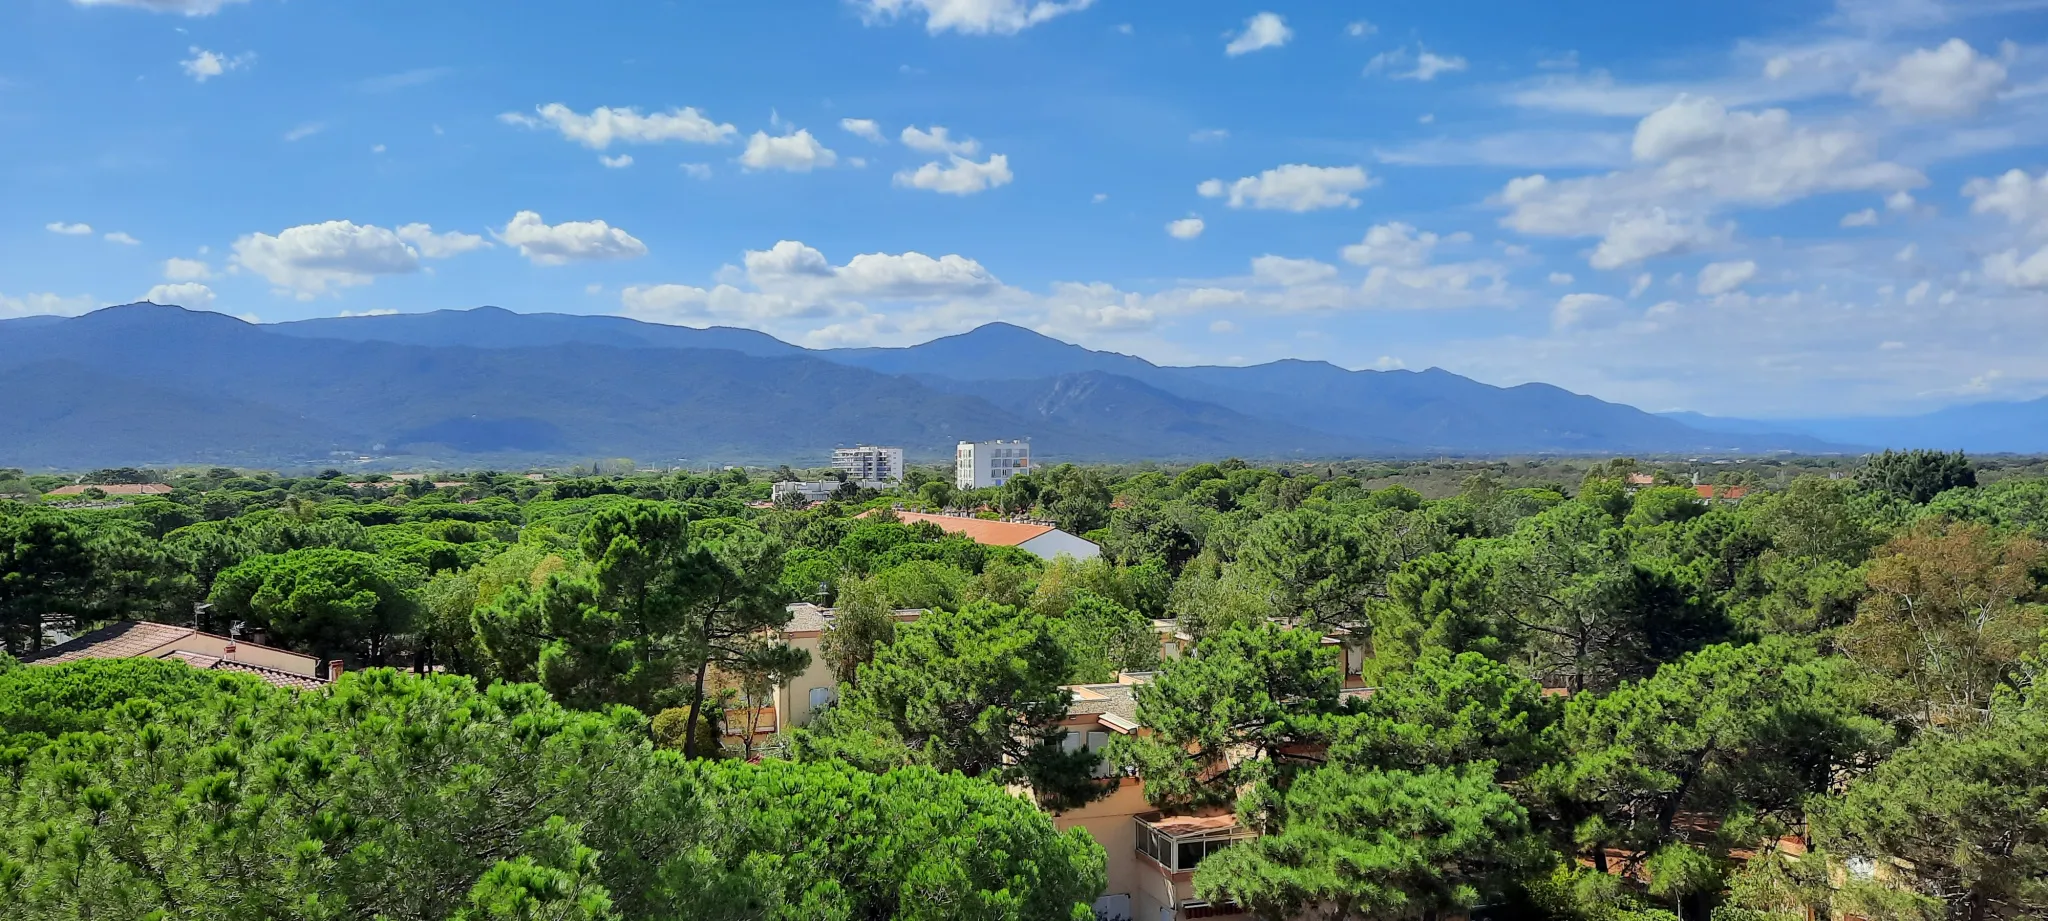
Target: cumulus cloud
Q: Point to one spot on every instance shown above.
(686, 305)
(1722, 277)
(315, 259)
(69, 230)
(1280, 270)
(1582, 309)
(190, 295)
(864, 128)
(204, 65)
(1186, 228)
(797, 152)
(1293, 187)
(961, 176)
(185, 7)
(2009, 268)
(1692, 159)
(1421, 64)
(176, 269)
(1261, 31)
(1864, 218)
(790, 267)
(304, 131)
(1397, 245)
(433, 245)
(618, 162)
(45, 304)
(2022, 199)
(604, 125)
(122, 238)
(1946, 82)
(570, 241)
(938, 141)
(1361, 29)
(971, 17)
(696, 170)
(1561, 278)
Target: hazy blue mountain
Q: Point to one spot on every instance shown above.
(1733, 426)
(1983, 428)
(498, 328)
(992, 352)
(1138, 412)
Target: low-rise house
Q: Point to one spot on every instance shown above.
(811, 492)
(1042, 540)
(113, 489)
(794, 704)
(143, 640)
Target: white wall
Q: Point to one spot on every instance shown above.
(1056, 542)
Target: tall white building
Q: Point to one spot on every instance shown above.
(982, 464)
(869, 465)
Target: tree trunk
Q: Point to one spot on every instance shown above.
(697, 699)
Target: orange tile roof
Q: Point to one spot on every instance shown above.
(1721, 492)
(979, 530)
(114, 641)
(114, 489)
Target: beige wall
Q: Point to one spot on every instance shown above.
(1109, 821)
(210, 645)
(793, 700)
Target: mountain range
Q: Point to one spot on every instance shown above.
(150, 384)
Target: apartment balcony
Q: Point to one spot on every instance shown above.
(1179, 843)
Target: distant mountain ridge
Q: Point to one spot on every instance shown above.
(483, 385)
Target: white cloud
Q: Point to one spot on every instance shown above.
(1388, 363)
(1280, 270)
(865, 128)
(797, 153)
(685, 305)
(1692, 159)
(1223, 327)
(1186, 228)
(962, 177)
(1640, 285)
(1261, 31)
(304, 131)
(204, 65)
(185, 7)
(176, 269)
(619, 162)
(2021, 198)
(191, 295)
(433, 245)
(1293, 187)
(1561, 278)
(122, 238)
(1581, 309)
(1918, 293)
(1207, 135)
(696, 170)
(790, 267)
(1723, 277)
(1864, 218)
(972, 17)
(937, 141)
(1907, 254)
(1397, 245)
(1946, 82)
(570, 241)
(377, 148)
(1427, 64)
(314, 259)
(33, 305)
(1361, 29)
(605, 125)
(1900, 200)
(69, 230)
(2007, 268)
(1099, 198)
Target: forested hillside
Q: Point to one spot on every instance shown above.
(1624, 699)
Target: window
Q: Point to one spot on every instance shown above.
(821, 698)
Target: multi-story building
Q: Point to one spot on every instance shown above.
(982, 464)
(869, 465)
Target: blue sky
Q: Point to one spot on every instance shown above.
(1762, 209)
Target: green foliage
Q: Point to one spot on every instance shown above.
(1917, 476)
(334, 603)
(1370, 844)
(45, 702)
(1449, 711)
(45, 568)
(865, 623)
(403, 797)
(1249, 705)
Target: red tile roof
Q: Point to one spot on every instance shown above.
(282, 679)
(1721, 492)
(114, 641)
(979, 530)
(114, 489)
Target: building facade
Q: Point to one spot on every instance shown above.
(983, 464)
(870, 465)
(811, 492)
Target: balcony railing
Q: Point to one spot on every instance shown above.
(1180, 843)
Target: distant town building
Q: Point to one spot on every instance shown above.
(811, 492)
(1042, 540)
(871, 466)
(982, 464)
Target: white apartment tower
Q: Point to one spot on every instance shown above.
(982, 464)
(871, 466)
